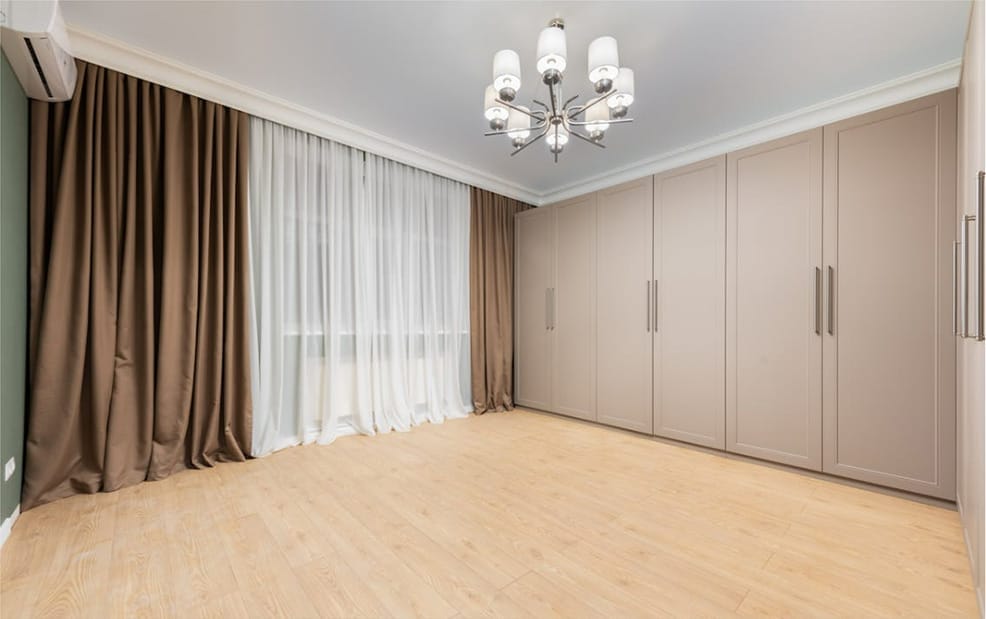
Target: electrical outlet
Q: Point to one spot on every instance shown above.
(9, 468)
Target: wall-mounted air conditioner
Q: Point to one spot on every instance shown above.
(34, 39)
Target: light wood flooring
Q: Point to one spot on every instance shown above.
(510, 514)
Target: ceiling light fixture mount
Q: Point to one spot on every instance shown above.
(557, 120)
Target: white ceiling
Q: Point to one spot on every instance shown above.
(415, 71)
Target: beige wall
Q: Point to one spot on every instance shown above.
(971, 374)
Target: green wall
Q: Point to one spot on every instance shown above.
(13, 281)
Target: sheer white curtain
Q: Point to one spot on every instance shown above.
(360, 291)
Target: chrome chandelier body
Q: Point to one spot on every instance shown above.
(558, 120)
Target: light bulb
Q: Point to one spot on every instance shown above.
(491, 108)
(519, 124)
(506, 74)
(604, 60)
(597, 117)
(552, 50)
(623, 85)
(560, 138)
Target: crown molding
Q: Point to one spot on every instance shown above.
(132, 60)
(906, 88)
(141, 63)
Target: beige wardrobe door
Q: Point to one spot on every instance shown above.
(625, 310)
(690, 303)
(773, 304)
(533, 280)
(573, 304)
(889, 377)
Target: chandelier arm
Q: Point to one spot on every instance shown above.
(529, 142)
(565, 105)
(586, 139)
(546, 108)
(539, 116)
(580, 109)
(613, 121)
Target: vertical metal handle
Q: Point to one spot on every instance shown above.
(980, 258)
(648, 306)
(547, 309)
(964, 280)
(818, 301)
(956, 246)
(657, 306)
(554, 311)
(831, 301)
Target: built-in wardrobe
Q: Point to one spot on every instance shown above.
(793, 301)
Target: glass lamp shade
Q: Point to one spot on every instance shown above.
(506, 70)
(561, 138)
(598, 118)
(519, 124)
(604, 59)
(552, 50)
(624, 89)
(491, 109)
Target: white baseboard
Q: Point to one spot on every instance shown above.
(8, 524)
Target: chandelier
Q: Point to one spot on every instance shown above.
(557, 120)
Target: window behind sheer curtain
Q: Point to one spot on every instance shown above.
(360, 291)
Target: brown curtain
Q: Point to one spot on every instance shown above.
(491, 298)
(139, 340)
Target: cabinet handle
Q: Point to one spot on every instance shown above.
(956, 246)
(964, 280)
(656, 306)
(554, 309)
(547, 309)
(980, 256)
(648, 306)
(818, 301)
(831, 300)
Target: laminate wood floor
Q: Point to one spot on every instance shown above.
(511, 514)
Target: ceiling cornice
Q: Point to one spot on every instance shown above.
(141, 63)
(913, 86)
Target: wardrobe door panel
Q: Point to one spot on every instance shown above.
(773, 314)
(534, 261)
(690, 303)
(889, 355)
(625, 313)
(574, 307)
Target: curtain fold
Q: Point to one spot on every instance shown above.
(359, 291)
(139, 335)
(491, 292)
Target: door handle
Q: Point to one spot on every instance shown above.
(831, 301)
(554, 309)
(547, 309)
(818, 301)
(980, 257)
(964, 280)
(648, 306)
(656, 306)
(956, 247)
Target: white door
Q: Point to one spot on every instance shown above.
(573, 324)
(773, 300)
(690, 303)
(624, 302)
(533, 277)
(889, 354)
